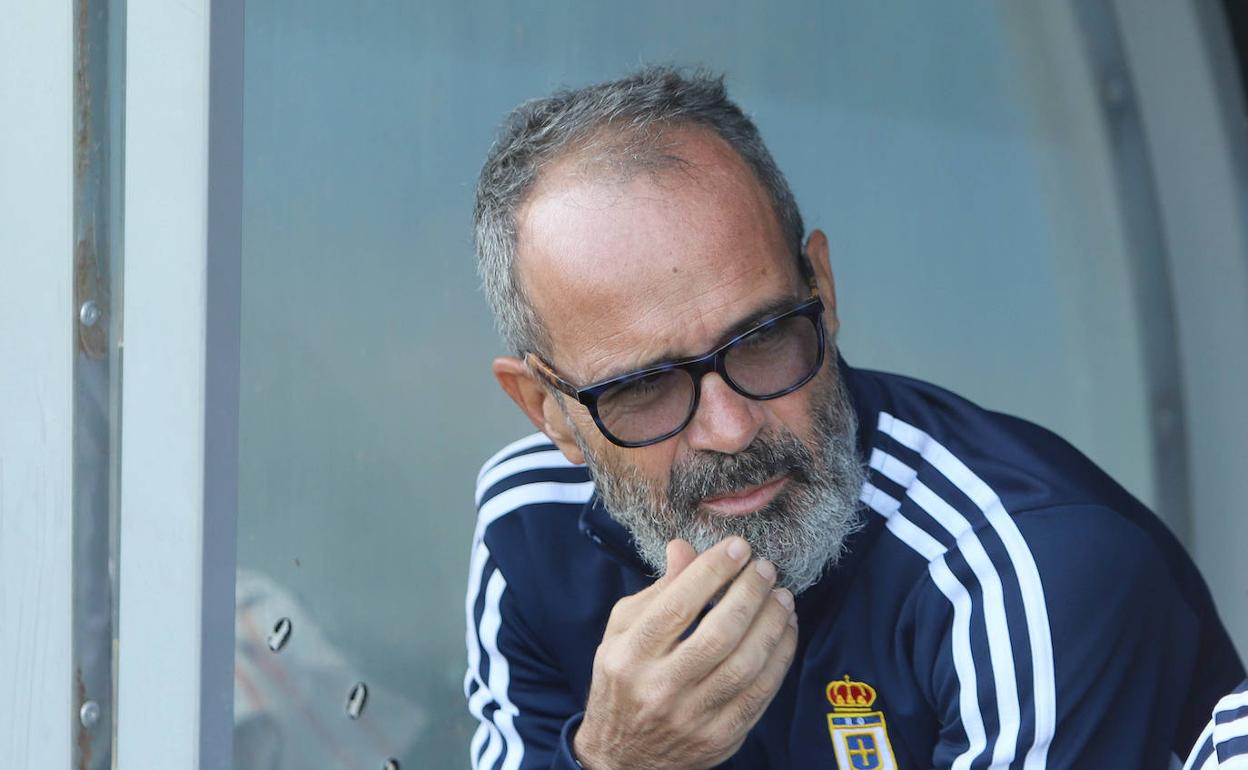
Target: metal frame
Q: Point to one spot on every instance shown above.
(180, 392)
(98, 63)
(223, 356)
(36, 386)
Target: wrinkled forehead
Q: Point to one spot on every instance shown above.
(622, 269)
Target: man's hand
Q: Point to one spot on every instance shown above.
(657, 701)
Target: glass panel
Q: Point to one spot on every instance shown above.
(951, 151)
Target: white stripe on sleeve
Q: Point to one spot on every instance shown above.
(528, 442)
(547, 459)
(963, 663)
(500, 671)
(531, 494)
(949, 585)
(1034, 606)
(1000, 652)
(477, 700)
(1206, 736)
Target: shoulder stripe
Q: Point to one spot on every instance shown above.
(1233, 753)
(497, 732)
(998, 629)
(526, 462)
(949, 585)
(500, 673)
(1202, 751)
(1044, 697)
(1222, 717)
(481, 754)
(515, 447)
(906, 531)
(963, 663)
(485, 731)
(549, 492)
(1230, 729)
(1233, 702)
(487, 678)
(476, 568)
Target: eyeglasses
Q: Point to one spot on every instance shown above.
(645, 407)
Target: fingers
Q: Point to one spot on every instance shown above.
(673, 609)
(654, 699)
(722, 630)
(746, 660)
(743, 711)
(679, 555)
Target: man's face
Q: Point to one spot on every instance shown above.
(662, 266)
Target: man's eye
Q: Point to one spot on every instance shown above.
(643, 386)
(763, 338)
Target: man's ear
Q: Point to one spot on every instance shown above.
(817, 253)
(538, 404)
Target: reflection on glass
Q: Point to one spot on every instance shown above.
(288, 707)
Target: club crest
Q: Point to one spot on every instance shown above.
(859, 735)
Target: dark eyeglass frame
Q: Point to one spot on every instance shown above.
(697, 367)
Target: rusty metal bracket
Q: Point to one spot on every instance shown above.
(98, 33)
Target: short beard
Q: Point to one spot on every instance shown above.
(802, 530)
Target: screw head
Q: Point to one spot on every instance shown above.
(89, 714)
(281, 634)
(89, 313)
(356, 700)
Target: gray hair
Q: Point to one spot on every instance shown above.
(620, 121)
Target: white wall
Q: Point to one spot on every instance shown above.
(36, 356)
(162, 493)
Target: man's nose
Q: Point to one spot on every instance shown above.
(725, 421)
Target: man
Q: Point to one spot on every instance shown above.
(855, 570)
(1223, 744)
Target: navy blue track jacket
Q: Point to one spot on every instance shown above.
(1006, 605)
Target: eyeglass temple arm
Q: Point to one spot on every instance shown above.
(543, 370)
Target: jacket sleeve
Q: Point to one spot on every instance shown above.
(519, 695)
(1075, 641)
(525, 711)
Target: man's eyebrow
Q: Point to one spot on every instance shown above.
(764, 312)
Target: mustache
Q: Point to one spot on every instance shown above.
(714, 474)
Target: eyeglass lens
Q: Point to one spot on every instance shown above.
(764, 363)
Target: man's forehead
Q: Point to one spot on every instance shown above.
(706, 183)
(656, 261)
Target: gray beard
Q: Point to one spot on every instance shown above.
(802, 530)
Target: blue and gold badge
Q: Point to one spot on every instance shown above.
(859, 735)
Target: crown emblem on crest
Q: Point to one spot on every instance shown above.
(849, 696)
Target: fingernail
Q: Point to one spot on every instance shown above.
(784, 597)
(766, 569)
(737, 549)
(793, 619)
